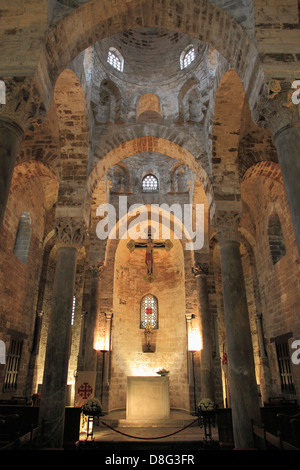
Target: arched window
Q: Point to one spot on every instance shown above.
(187, 56)
(276, 240)
(150, 184)
(149, 311)
(115, 59)
(22, 242)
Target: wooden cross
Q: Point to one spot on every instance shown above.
(149, 245)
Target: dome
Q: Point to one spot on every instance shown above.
(150, 54)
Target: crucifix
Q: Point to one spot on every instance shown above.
(149, 245)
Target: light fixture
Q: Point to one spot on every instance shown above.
(194, 345)
(194, 340)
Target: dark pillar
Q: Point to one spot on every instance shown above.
(277, 109)
(70, 236)
(287, 142)
(11, 136)
(90, 354)
(207, 390)
(244, 393)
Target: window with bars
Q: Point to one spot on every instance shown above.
(149, 311)
(23, 237)
(73, 310)
(284, 364)
(150, 184)
(115, 59)
(187, 57)
(13, 365)
(276, 240)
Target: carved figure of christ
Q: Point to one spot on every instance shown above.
(149, 246)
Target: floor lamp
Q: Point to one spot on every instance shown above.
(194, 344)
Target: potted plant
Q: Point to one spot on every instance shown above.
(207, 415)
(163, 372)
(92, 407)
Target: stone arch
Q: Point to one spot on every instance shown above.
(189, 85)
(146, 144)
(110, 103)
(149, 108)
(267, 169)
(45, 174)
(118, 137)
(229, 105)
(73, 138)
(210, 24)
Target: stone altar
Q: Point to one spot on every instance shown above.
(148, 398)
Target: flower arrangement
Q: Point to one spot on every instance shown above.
(163, 372)
(206, 404)
(92, 407)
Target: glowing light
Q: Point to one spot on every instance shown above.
(140, 370)
(194, 340)
(101, 344)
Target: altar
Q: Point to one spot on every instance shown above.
(148, 398)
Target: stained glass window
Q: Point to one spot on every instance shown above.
(150, 184)
(149, 311)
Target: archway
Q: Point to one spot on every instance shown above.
(205, 21)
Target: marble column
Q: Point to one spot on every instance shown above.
(244, 393)
(11, 136)
(70, 237)
(279, 111)
(200, 271)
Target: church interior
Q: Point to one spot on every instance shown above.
(150, 173)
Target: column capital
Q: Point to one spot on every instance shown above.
(227, 225)
(96, 268)
(278, 106)
(70, 232)
(189, 317)
(23, 103)
(9, 125)
(200, 269)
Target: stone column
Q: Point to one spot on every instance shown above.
(244, 393)
(90, 354)
(200, 271)
(70, 237)
(108, 317)
(276, 111)
(188, 318)
(11, 136)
